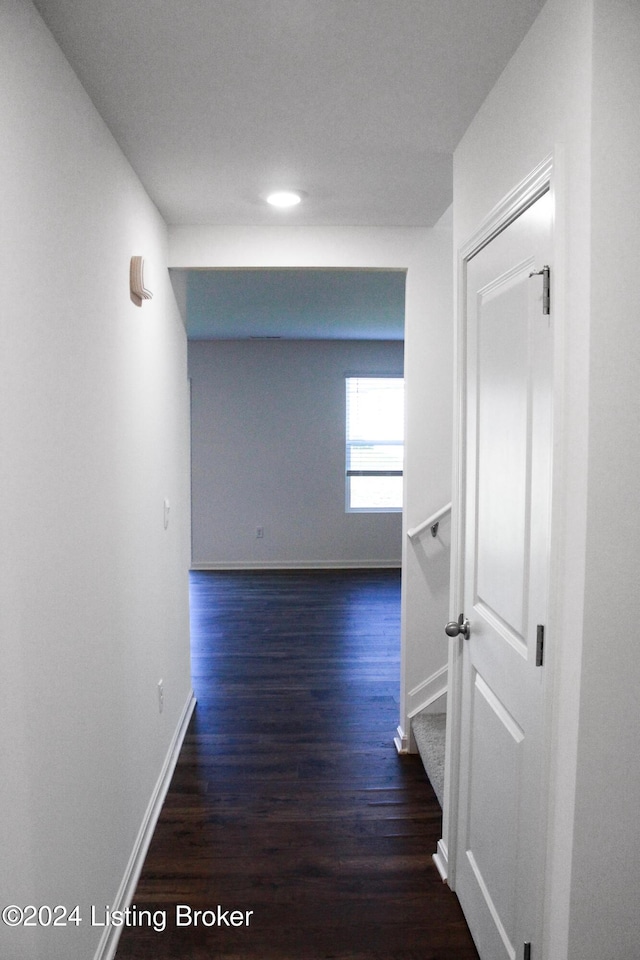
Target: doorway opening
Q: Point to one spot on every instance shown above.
(269, 353)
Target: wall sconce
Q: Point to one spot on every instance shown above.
(136, 281)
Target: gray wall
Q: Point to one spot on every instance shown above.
(94, 428)
(268, 450)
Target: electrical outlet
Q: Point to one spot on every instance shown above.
(160, 696)
(259, 533)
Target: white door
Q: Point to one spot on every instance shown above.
(506, 563)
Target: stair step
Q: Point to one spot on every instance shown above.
(429, 732)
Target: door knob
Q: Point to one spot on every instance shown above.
(456, 627)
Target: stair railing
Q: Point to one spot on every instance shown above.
(433, 521)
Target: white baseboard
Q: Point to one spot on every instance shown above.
(111, 934)
(401, 741)
(441, 860)
(296, 564)
(427, 692)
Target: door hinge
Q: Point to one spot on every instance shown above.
(526, 954)
(545, 273)
(539, 645)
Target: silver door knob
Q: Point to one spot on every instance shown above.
(456, 627)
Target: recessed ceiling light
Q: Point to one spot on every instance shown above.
(284, 198)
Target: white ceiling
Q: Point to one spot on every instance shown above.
(360, 103)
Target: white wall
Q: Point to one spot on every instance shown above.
(94, 435)
(268, 450)
(429, 406)
(572, 90)
(606, 866)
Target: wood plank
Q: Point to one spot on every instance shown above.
(289, 798)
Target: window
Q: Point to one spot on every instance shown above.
(375, 443)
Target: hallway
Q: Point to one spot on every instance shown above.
(289, 799)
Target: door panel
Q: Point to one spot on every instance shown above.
(496, 745)
(508, 460)
(501, 509)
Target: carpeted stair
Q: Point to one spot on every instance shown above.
(429, 732)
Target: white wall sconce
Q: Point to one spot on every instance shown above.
(136, 282)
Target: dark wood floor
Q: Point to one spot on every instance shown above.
(289, 799)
